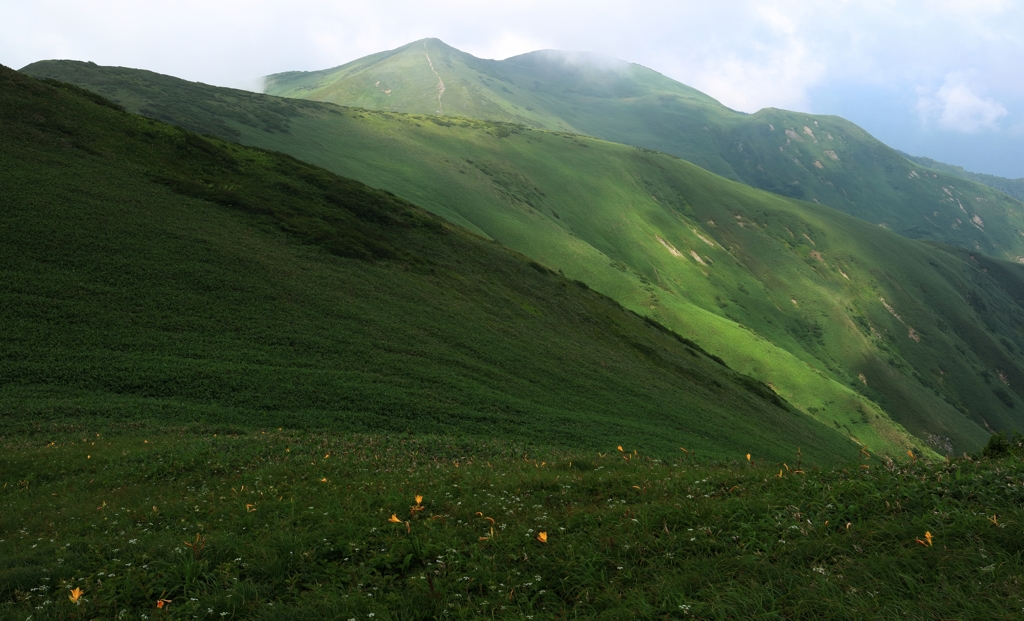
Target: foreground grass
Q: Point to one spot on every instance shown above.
(267, 524)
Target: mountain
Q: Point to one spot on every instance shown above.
(1011, 187)
(850, 323)
(825, 159)
(155, 277)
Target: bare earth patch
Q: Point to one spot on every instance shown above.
(670, 247)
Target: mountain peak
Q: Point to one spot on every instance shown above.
(428, 76)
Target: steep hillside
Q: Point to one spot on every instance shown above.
(847, 321)
(815, 158)
(152, 276)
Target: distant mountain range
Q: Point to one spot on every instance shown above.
(1011, 187)
(825, 159)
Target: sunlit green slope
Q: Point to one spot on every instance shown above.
(149, 274)
(815, 158)
(849, 322)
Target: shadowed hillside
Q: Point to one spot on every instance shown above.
(153, 276)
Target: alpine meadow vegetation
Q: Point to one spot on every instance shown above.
(236, 385)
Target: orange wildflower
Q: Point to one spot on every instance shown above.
(542, 537)
(394, 519)
(76, 596)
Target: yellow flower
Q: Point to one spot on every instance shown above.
(542, 537)
(76, 596)
(928, 537)
(748, 456)
(620, 448)
(394, 519)
(419, 499)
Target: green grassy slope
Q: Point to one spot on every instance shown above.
(152, 276)
(849, 322)
(267, 524)
(820, 158)
(1012, 187)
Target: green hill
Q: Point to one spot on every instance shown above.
(815, 158)
(850, 323)
(152, 276)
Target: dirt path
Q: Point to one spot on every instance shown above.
(440, 84)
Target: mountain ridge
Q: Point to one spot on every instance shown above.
(1011, 187)
(824, 159)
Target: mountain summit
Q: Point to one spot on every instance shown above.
(430, 77)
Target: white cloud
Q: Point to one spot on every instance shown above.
(772, 78)
(956, 107)
(507, 44)
(747, 53)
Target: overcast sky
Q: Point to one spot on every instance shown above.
(941, 78)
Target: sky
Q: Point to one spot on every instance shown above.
(939, 78)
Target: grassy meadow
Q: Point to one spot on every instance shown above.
(264, 524)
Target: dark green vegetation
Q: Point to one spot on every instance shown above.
(152, 276)
(279, 525)
(820, 158)
(1012, 187)
(850, 323)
